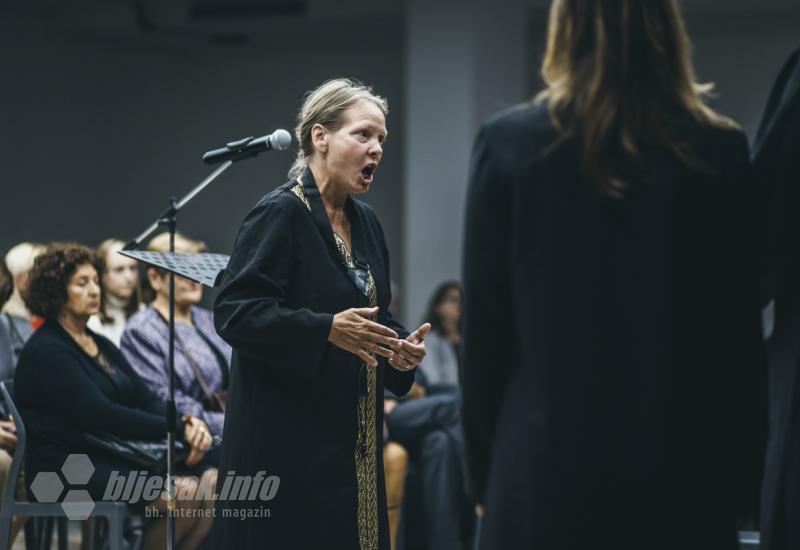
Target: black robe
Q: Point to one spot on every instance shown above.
(292, 407)
(775, 155)
(613, 377)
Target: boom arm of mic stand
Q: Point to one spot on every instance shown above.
(170, 212)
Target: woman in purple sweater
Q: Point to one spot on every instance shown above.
(202, 358)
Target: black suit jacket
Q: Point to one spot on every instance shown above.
(775, 155)
(613, 375)
(292, 403)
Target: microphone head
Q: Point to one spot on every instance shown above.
(280, 140)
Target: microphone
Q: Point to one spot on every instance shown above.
(280, 140)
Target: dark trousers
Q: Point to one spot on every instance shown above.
(430, 429)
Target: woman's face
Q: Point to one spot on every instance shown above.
(83, 292)
(121, 276)
(187, 293)
(449, 309)
(353, 152)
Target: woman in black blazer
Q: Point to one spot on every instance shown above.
(613, 380)
(71, 382)
(304, 304)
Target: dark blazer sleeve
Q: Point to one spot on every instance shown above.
(250, 312)
(488, 312)
(73, 391)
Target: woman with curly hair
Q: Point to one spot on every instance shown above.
(71, 382)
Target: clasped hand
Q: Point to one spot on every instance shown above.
(198, 437)
(355, 331)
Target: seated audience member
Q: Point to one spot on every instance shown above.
(8, 359)
(20, 322)
(202, 358)
(71, 382)
(120, 297)
(427, 424)
(8, 437)
(440, 367)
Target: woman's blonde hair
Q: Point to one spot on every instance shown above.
(160, 243)
(327, 105)
(183, 244)
(616, 70)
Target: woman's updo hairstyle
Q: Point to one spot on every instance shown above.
(326, 105)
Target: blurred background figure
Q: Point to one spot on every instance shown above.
(8, 357)
(614, 376)
(426, 422)
(8, 360)
(20, 322)
(121, 295)
(441, 366)
(202, 358)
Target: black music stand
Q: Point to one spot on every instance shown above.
(168, 220)
(200, 268)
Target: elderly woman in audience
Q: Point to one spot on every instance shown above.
(71, 382)
(202, 358)
(120, 297)
(8, 436)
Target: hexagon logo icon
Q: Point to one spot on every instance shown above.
(78, 504)
(77, 469)
(47, 487)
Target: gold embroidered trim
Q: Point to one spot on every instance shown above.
(366, 466)
(301, 194)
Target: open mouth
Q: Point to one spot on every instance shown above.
(368, 171)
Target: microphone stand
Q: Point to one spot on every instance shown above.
(168, 219)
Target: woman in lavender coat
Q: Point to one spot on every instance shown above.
(202, 358)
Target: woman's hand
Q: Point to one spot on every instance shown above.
(353, 330)
(198, 437)
(411, 351)
(8, 435)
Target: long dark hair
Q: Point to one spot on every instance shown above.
(615, 72)
(437, 298)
